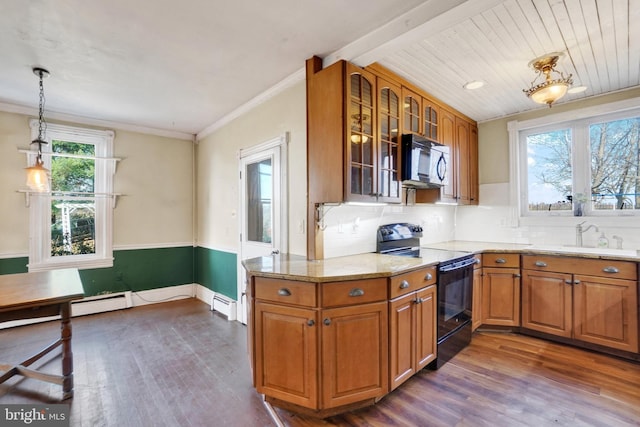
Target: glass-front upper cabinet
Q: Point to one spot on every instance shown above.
(411, 106)
(361, 136)
(389, 111)
(430, 119)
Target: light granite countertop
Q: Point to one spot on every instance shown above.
(372, 265)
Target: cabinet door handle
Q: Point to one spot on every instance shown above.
(576, 282)
(327, 321)
(568, 282)
(311, 322)
(517, 275)
(418, 300)
(429, 276)
(611, 270)
(541, 264)
(501, 261)
(356, 292)
(477, 261)
(284, 292)
(404, 284)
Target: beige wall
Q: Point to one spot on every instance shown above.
(14, 215)
(493, 138)
(217, 169)
(155, 177)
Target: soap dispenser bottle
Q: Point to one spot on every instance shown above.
(603, 242)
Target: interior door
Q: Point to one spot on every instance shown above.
(263, 201)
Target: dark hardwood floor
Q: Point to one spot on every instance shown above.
(178, 364)
(170, 364)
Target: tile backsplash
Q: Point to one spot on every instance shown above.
(351, 229)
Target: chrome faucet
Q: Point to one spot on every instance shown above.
(580, 230)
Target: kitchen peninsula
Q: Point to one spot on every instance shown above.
(323, 337)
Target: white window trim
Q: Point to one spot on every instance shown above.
(515, 158)
(40, 258)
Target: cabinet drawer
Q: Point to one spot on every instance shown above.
(286, 291)
(353, 292)
(407, 282)
(585, 266)
(501, 260)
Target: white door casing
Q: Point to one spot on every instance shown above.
(263, 203)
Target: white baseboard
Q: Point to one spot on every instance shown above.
(117, 301)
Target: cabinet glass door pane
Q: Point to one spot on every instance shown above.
(389, 117)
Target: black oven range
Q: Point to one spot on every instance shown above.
(455, 285)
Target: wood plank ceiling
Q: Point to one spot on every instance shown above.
(599, 40)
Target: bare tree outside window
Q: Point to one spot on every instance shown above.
(549, 170)
(615, 157)
(613, 170)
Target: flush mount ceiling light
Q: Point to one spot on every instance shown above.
(550, 89)
(472, 85)
(38, 175)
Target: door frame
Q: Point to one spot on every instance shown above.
(278, 144)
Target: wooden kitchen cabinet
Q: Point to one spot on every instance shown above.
(354, 354)
(501, 289)
(412, 103)
(594, 301)
(430, 119)
(320, 346)
(461, 136)
(286, 357)
(389, 106)
(412, 324)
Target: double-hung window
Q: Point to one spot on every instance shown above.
(71, 226)
(586, 165)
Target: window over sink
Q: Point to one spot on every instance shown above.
(584, 162)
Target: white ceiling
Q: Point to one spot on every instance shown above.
(186, 67)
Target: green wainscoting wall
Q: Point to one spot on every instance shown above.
(143, 269)
(140, 270)
(217, 270)
(14, 265)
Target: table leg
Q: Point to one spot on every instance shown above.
(67, 354)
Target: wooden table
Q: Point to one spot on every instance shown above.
(42, 294)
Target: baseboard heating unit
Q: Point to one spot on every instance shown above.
(101, 303)
(223, 305)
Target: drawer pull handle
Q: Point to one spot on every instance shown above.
(327, 321)
(477, 261)
(541, 264)
(284, 292)
(611, 270)
(311, 322)
(404, 284)
(501, 261)
(356, 292)
(429, 276)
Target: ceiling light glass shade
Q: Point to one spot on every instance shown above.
(38, 177)
(549, 90)
(357, 139)
(548, 93)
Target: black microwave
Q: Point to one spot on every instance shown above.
(425, 163)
